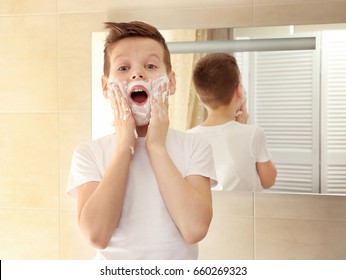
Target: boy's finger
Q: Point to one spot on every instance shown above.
(154, 109)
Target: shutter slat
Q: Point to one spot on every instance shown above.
(276, 74)
(284, 84)
(334, 56)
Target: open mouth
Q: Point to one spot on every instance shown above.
(139, 96)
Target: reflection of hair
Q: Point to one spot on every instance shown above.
(215, 77)
(122, 30)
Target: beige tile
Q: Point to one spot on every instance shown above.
(231, 233)
(29, 63)
(29, 234)
(29, 161)
(233, 203)
(287, 239)
(279, 2)
(307, 12)
(77, 6)
(74, 128)
(75, 59)
(73, 245)
(211, 17)
(80, 6)
(8, 7)
(229, 238)
(300, 206)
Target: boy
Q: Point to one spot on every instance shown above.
(242, 161)
(144, 192)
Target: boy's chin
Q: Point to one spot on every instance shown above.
(141, 114)
(142, 120)
(142, 123)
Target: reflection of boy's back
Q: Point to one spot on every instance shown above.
(236, 149)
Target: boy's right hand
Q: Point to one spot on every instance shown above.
(124, 122)
(242, 115)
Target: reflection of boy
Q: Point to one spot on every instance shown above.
(144, 192)
(241, 157)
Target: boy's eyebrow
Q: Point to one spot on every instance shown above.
(115, 58)
(155, 55)
(149, 56)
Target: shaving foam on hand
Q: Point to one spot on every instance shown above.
(115, 94)
(160, 87)
(111, 96)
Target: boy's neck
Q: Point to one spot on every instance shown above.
(220, 116)
(142, 130)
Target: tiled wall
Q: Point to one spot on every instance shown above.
(45, 111)
(276, 226)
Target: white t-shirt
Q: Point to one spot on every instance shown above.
(236, 149)
(145, 229)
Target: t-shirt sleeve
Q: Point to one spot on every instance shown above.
(83, 168)
(259, 146)
(201, 161)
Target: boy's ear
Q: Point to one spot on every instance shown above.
(104, 81)
(239, 91)
(172, 83)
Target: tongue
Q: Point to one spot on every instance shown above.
(139, 97)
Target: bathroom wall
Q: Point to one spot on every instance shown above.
(276, 226)
(45, 111)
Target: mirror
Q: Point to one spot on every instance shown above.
(297, 97)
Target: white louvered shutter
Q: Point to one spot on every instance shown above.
(333, 148)
(284, 101)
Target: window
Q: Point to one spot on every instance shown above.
(333, 112)
(299, 99)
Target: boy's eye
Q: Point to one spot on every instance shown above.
(123, 68)
(151, 66)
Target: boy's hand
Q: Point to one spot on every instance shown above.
(123, 120)
(242, 114)
(159, 123)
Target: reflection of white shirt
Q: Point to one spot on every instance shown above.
(236, 148)
(146, 229)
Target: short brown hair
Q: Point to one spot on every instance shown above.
(215, 77)
(122, 30)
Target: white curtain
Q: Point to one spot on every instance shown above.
(185, 109)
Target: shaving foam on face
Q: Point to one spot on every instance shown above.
(157, 88)
(160, 88)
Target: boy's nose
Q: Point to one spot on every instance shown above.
(136, 76)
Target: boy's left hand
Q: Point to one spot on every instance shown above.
(159, 123)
